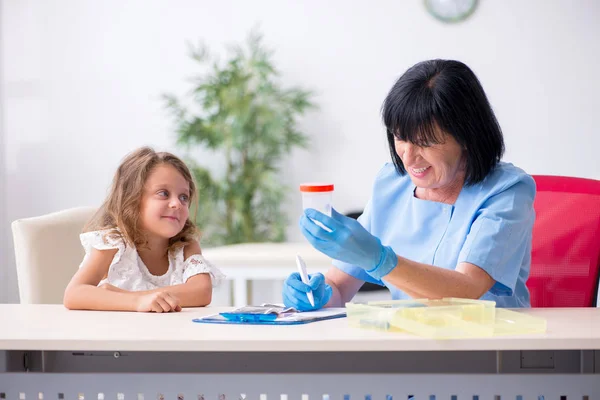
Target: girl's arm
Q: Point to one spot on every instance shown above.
(195, 292)
(83, 293)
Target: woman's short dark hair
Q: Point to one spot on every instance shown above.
(448, 95)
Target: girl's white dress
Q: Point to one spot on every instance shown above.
(128, 272)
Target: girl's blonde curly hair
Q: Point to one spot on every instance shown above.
(120, 211)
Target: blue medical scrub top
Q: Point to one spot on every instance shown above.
(489, 225)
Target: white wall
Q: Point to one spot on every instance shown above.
(7, 280)
(82, 81)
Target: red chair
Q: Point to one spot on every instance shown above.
(565, 257)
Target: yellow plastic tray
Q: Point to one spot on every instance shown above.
(447, 318)
(479, 311)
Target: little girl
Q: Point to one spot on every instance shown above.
(141, 248)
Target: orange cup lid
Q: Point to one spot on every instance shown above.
(316, 187)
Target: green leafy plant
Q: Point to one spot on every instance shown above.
(244, 116)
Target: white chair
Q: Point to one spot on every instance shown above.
(48, 253)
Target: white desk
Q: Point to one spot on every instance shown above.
(53, 327)
(245, 262)
(66, 341)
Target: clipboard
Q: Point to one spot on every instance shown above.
(271, 314)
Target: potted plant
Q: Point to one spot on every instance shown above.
(244, 116)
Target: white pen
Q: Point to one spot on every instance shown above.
(304, 277)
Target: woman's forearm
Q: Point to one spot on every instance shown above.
(336, 296)
(428, 281)
(414, 294)
(338, 301)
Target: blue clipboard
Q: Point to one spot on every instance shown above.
(270, 315)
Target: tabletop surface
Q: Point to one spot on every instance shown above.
(53, 327)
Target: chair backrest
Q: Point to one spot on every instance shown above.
(565, 257)
(48, 253)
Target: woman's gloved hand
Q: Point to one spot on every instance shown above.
(294, 292)
(348, 241)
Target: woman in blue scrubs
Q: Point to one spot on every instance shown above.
(446, 218)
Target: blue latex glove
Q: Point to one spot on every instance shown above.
(348, 241)
(294, 292)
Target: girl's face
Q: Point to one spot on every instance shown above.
(164, 207)
(439, 166)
